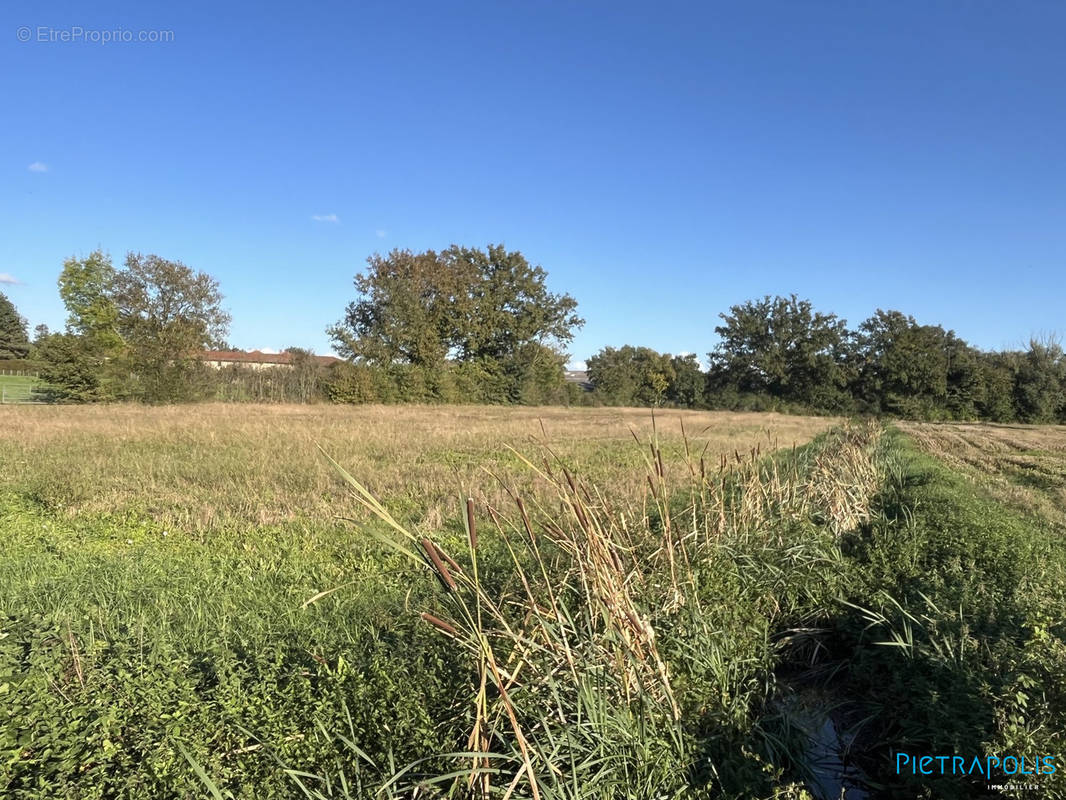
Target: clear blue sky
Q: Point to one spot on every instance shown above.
(662, 161)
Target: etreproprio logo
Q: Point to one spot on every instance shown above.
(907, 764)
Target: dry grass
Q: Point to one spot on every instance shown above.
(1024, 465)
(582, 634)
(233, 466)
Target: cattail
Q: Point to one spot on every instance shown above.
(525, 518)
(471, 528)
(451, 561)
(442, 571)
(439, 623)
(570, 480)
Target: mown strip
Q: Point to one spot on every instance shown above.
(962, 647)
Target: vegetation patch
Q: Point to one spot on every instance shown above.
(680, 616)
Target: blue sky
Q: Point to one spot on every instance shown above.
(662, 161)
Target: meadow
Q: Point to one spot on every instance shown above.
(1024, 465)
(419, 601)
(17, 388)
(212, 467)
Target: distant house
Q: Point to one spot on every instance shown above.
(580, 377)
(256, 359)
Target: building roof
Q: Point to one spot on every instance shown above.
(580, 377)
(259, 357)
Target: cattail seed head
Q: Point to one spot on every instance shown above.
(437, 622)
(438, 564)
(471, 528)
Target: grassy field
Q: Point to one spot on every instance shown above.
(1025, 465)
(17, 388)
(233, 467)
(196, 600)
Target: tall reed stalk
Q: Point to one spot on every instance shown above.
(572, 694)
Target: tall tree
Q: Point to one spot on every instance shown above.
(782, 347)
(509, 306)
(86, 365)
(14, 343)
(488, 310)
(86, 286)
(410, 310)
(689, 382)
(1040, 381)
(997, 386)
(631, 376)
(167, 314)
(916, 371)
(463, 304)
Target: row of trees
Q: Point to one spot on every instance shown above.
(132, 332)
(462, 325)
(472, 325)
(779, 352)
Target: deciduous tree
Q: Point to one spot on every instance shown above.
(782, 347)
(167, 314)
(1040, 381)
(489, 310)
(631, 376)
(86, 287)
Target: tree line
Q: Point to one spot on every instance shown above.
(132, 333)
(780, 353)
(470, 325)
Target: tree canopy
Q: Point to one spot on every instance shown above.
(481, 326)
(132, 332)
(782, 347)
(166, 315)
(632, 376)
(462, 304)
(86, 287)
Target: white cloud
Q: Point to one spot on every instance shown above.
(38, 166)
(268, 350)
(6, 278)
(381, 233)
(325, 218)
(577, 366)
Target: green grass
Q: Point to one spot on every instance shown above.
(141, 657)
(119, 645)
(18, 388)
(126, 640)
(963, 650)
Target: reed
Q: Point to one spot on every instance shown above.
(572, 693)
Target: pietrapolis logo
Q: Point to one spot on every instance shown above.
(987, 767)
